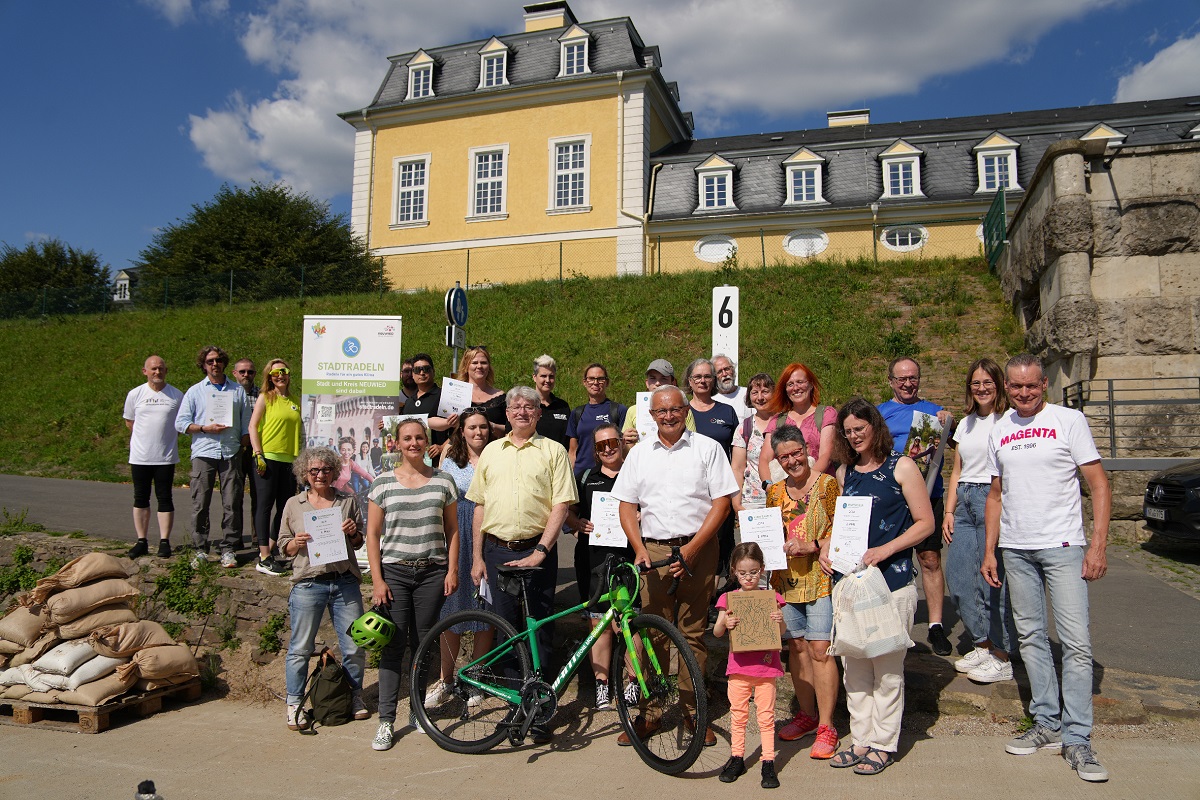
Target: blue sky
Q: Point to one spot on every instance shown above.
(120, 115)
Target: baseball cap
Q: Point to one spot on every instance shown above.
(661, 365)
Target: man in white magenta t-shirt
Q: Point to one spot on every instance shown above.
(1035, 516)
(150, 412)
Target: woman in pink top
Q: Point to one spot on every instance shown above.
(794, 401)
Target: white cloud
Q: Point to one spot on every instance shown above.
(177, 12)
(799, 55)
(1173, 72)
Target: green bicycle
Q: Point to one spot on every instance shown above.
(503, 693)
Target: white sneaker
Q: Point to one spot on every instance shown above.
(972, 659)
(384, 738)
(632, 693)
(295, 717)
(992, 671)
(415, 724)
(359, 707)
(199, 557)
(228, 559)
(436, 694)
(474, 698)
(603, 702)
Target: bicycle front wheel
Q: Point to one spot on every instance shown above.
(666, 724)
(457, 715)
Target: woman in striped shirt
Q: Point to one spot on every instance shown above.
(412, 535)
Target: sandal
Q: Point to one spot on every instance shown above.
(873, 766)
(847, 758)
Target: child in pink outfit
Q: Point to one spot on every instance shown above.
(750, 674)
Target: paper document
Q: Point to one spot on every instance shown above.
(456, 397)
(328, 543)
(646, 426)
(606, 519)
(851, 524)
(765, 526)
(219, 410)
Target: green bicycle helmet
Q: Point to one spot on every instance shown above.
(372, 631)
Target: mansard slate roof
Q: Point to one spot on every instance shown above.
(852, 176)
(533, 59)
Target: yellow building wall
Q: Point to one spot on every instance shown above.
(527, 132)
(660, 137)
(503, 264)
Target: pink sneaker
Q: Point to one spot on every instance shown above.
(801, 725)
(826, 744)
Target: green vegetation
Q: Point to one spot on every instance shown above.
(17, 522)
(77, 280)
(227, 632)
(62, 415)
(268, 635)
(20, 576)
(187, 590)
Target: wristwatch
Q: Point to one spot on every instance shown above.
(541, 548)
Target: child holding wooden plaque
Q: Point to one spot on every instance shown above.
(755, 623)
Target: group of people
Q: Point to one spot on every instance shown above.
(502, 481)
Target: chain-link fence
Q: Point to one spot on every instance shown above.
(53, 302)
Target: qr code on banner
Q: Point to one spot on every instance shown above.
(325, 413)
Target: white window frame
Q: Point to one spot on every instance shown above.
(472, 159)
(502, 58)
(563, 61)
(795, 170)
(398, 165)
(899, 161)
(815, 241)
(424, 71)
(1009, 154)
(716, 239)
(552, 206)
(920, 230)
(714, 174)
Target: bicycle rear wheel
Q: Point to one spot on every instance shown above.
(461, 718)
(674, 714)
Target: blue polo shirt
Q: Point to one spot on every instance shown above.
(899, 417)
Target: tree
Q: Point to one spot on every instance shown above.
(272, 238)
(51, 277)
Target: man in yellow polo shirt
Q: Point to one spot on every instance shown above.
(521, 490)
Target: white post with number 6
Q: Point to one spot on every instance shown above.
(725, 323)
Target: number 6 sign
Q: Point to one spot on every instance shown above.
(725, 322)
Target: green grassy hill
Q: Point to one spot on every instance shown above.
(65, 379)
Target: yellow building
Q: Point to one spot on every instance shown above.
(562, 150)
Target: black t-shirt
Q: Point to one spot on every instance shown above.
(427, 404)
(553, 424)
(719, 423)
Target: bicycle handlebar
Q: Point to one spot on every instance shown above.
(604, 585)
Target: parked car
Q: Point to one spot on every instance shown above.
(1172, 502)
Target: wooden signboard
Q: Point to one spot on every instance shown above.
(755, 629)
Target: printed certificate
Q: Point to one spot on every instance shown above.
(851, 524)
(328, 543)
(456, 397)
(646, 426)
(765, 526)
(606, 519)
(219, 409)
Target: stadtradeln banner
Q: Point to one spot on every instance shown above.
(351, 381)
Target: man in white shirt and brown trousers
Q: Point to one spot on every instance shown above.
(685, 487)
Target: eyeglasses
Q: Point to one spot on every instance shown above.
(608, 444)
(422, 370)
(247, 372)
(796, 455)
(316, 472)
(701, 378)
(906, 380)
(214, 361)
(748, 574)
(596, 380)
(277, 372)
(522, 411)
(983, 384)
(668, 411)
(859, 431)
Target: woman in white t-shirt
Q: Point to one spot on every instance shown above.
(983, 610)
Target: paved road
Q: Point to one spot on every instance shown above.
(1139, 622)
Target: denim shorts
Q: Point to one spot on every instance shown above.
(812, 621)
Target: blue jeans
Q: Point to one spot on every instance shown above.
(1058, 570)
(306, 605)
(985, 611)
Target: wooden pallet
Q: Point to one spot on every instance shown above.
(92, 719)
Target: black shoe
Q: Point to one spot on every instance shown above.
(938, 641)
(735, 768)
(164, 548)
(769, 780)
(268, 566)
(140, 549)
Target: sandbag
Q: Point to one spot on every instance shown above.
(8, 648)
(34, 678)
(93, 670)
(23, 625)
(16, 691)
(42, 697)
(97, 693)
(3, 662)
(157, 663)
(72, 604)
(83, 570)
(35, 650)
(149, 685)
(112, 614)
(66, 657)
(12, 677)
(128, 638)
(866, 624)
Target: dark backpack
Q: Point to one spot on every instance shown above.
(330, 693)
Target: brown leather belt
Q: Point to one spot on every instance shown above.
(678, 541)
(516, 544)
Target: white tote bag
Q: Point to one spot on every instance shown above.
(865, 622)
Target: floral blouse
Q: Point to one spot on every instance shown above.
(809, 520)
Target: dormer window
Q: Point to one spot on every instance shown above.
(901, 167)
(420, 76)
(715, 185)
(804, 178)
(573, 52)
(996, 160)
(1105, 133)
(493, 64)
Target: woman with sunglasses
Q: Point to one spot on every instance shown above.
(794, 401)
(610, 451)
(336, 586)
(901, 516)
(471, 434)
(275, 437)
(475, 368)
(585, 418)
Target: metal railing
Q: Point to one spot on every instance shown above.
(1141, 418)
